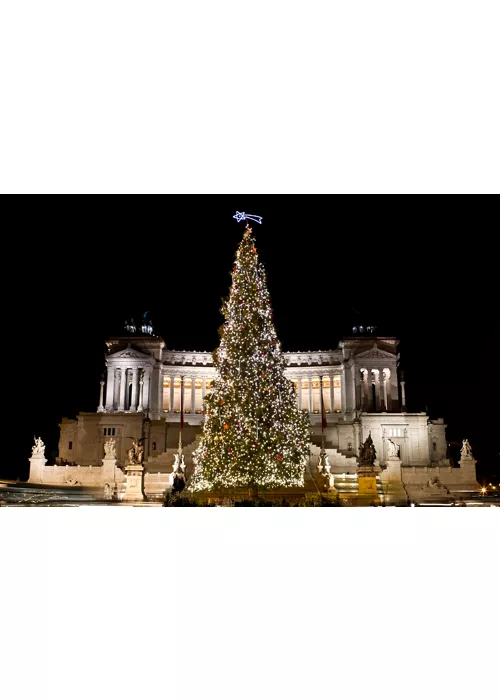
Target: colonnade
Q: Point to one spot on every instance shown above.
(375, 395)
(127, 389)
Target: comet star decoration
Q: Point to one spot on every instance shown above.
(254, 434)
(241, 216)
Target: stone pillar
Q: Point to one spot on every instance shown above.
(140, 407)
(110, 389)
(332, 394)
(160, 394)
(147, 387)
(193, 394)
(133, 403)
(343, 392)
(310, 395)
(384, 391)
(299, 392)
(376, 373)
(100, 408)
(365, 403)
(182, 404)
(172, 396)
(203, 390)
(403, 396)
(123, 382)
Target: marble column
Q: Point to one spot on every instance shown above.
(384, 391)
(332, 395)
(123, 381)
(146, 403)
(140, 407)
(193, 394)
(171, 407)
(160, 394)
(376, 373)
(203, 390)
(100, 408)
(110, 389)
(310, 395)
(133, 402)
(403, 396)
(299, 392)
(365, 405)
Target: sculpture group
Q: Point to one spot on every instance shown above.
(136, 451)
(38, 449)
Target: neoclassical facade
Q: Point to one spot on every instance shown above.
(147, 387)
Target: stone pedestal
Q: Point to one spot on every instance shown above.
(109, 476)
(109, 470)
(134, 483)
(468, 469)
(37, 463)
(367, 486)
(392, 483)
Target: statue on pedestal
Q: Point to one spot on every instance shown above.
(392, 450)
(38, 449)
(367, 453)
(136, 452)
(466, 451)
(110, 449)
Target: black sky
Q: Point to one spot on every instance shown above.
(419, 269)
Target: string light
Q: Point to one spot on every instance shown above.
(241, 216)
(254, 433)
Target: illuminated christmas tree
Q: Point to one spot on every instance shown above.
(254, 434)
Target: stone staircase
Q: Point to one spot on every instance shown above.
(339, 462)
(163, 463)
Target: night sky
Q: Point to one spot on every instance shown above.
(417, 270)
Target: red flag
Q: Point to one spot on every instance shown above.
(323, 415)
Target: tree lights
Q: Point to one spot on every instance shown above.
(254, 434)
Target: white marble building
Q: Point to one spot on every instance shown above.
(147, 386)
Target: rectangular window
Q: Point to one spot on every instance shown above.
(154, 446)
(70, 445)
(113, 431)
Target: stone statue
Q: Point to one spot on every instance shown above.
(434, 485)
(110, 449)
(38, 449)
(392, 449)
(466, 450)
(324, 463)
(367, 453)
(179, 464)
(108, 492)
(135, 452)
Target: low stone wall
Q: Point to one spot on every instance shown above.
(79, 475)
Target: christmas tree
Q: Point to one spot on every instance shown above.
(254, 434)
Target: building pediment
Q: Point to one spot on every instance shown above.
(376, 354)
(129, 353)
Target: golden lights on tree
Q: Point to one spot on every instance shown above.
(254, 434)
